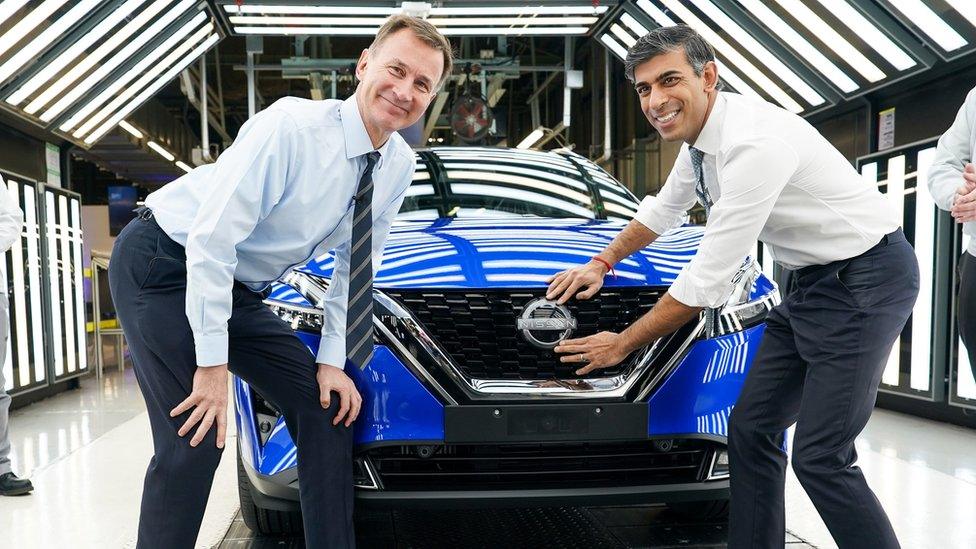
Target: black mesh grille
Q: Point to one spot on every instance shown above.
(479, 330)
(537, 466)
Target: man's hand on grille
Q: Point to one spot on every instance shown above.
(564, 285)
(601, 350)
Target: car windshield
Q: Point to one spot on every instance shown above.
(483, 182)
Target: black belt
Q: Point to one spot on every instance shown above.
(810, 269)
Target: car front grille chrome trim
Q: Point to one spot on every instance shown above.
(512, 389)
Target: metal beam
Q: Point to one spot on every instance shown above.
(435, 113)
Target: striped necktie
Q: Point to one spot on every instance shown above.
(700, 189)
(359, 312)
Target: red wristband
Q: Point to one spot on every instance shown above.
(607, 264)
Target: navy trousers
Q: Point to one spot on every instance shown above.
(147, 276)
(819, 366)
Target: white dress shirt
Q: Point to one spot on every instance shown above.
(11, 226)
(956, 148)
(280, 195)
(774, 178)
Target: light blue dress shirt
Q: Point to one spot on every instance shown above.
(280, 195)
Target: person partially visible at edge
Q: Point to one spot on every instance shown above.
(11, 225)
(763, 173)
(952, 183)
(187, 276)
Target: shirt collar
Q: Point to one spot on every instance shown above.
(709, 138)
(357, 140)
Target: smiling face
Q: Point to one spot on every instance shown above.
(397, 81)
(674, 99)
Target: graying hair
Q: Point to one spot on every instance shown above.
(668, 39)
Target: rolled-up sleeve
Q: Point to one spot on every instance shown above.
(332, 344)
(952, 154)
(665, 211)
(752, 176)
(252, 174)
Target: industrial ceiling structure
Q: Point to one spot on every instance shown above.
(79, 69)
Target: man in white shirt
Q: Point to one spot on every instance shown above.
(302, 177)
(952, 182)
(11, 225)
(763, 173)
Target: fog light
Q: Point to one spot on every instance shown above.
(720, 465)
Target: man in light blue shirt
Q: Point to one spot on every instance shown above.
(303, 177)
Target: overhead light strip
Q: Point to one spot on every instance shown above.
(150, 91)
(309, 10)
(931, 24)
(8, 8)
(79, 70)
(131, 129)
(965, 9)
(750, 44)
(864, 29)
(36, 46)
(130, 50)
(162, 152)
(520, 10)
(29, 23)
(72, 53)
(366, 31)
(248, 20)
(633, 25)
(614, 46)
(800, 44)
(735, 57)
(130, 90)
(623, 35)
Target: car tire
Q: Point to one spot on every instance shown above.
(265, 522)
(717, 509)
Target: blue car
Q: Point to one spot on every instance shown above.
(465, 403)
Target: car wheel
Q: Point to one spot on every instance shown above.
(717, 509)
(266, 522)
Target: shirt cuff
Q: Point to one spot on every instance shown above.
(211, 350)
(332, 351)
(695, 293)
(648, 215)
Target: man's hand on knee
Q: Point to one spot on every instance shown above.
(209, 403)
(332, 379)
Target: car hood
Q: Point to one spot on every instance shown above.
(507, 253)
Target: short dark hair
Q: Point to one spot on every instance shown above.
(667, 39)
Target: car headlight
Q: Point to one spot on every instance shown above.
(301, 317)
(753, 296)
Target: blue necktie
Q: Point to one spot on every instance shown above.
(359, 312)
(700, 189)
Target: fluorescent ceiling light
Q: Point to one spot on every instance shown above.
(487, 21)
(72, 53)
(531, 139)
(126, 53)
(10, 7)
(865, 30)
(28, 23)
(310, 10)
(150, 61)
(800, 44)
(37, 45)
(131, 129)
(293, 20)
(832, 39)
(521, 10)
(655, 13)
(366, 31)
(247, 20)
(146, 79)
(183, 166)
(735, 57)
(623, 35)
(760, 52)
(633, 25)
(931, 24)
(162, 152)
(965, 8)
(148, 92)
